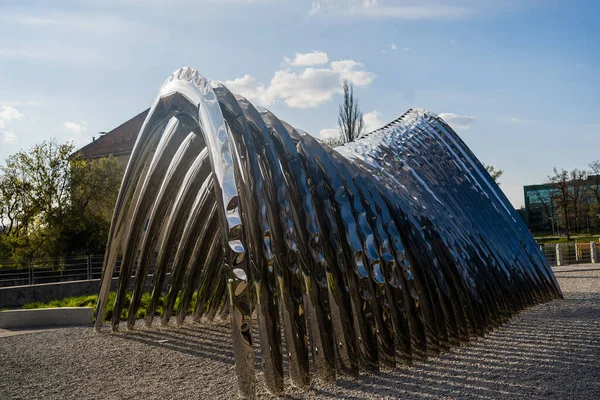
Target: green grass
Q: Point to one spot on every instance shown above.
(556, 239)
(91, 300)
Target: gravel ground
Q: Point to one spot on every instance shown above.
(549, 351)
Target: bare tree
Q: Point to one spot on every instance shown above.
(560, 179)
(578, 188)
(594, 180)
(593, 188)
(350, 118)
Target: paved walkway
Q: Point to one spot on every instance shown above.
(11, 332)
(577, 267)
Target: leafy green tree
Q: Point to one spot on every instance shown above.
(35, 194)
(94, 189)
(52, 204)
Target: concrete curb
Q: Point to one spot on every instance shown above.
(42, 317)
(576, 268)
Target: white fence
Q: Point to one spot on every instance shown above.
(35, 272)
(570, 253)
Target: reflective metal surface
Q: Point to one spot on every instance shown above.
(388, 249)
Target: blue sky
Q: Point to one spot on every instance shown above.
(517, 79)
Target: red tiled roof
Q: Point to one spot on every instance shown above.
(119, 141)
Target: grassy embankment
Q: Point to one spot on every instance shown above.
(90, 301)
(563, 239)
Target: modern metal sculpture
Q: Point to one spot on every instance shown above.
(375, 253)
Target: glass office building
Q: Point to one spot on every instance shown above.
(544, 212)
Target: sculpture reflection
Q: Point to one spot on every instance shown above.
(385, 250)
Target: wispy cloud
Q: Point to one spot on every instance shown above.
(394, 47)
(305, 89)
(315, 7)
(74, 38)
(96, 24)
(516, 121)
(461, 122)
(19, 103)
(75, 127)
(410, 9)
(9, 137)
(22, 54)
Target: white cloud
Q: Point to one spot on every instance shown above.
(394, 47)
(306, 89)
(349, 70)
(305, 59)
(457, 121)
(372, 121)
(75, 127)
(9, 137)
(247, 86)
(9, 113)
(329, 133)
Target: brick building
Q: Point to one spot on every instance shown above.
(118, 142)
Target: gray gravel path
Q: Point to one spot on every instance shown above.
(551, 351)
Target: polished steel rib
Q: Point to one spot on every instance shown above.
(386, 250)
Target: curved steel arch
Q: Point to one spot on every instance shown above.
(378, 252)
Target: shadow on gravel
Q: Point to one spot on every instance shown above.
(195, 340)
(550, 351)
(547, 352)
(575, 277)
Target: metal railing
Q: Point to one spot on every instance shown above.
(78, 268)
(36, 272)
(549, 251)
